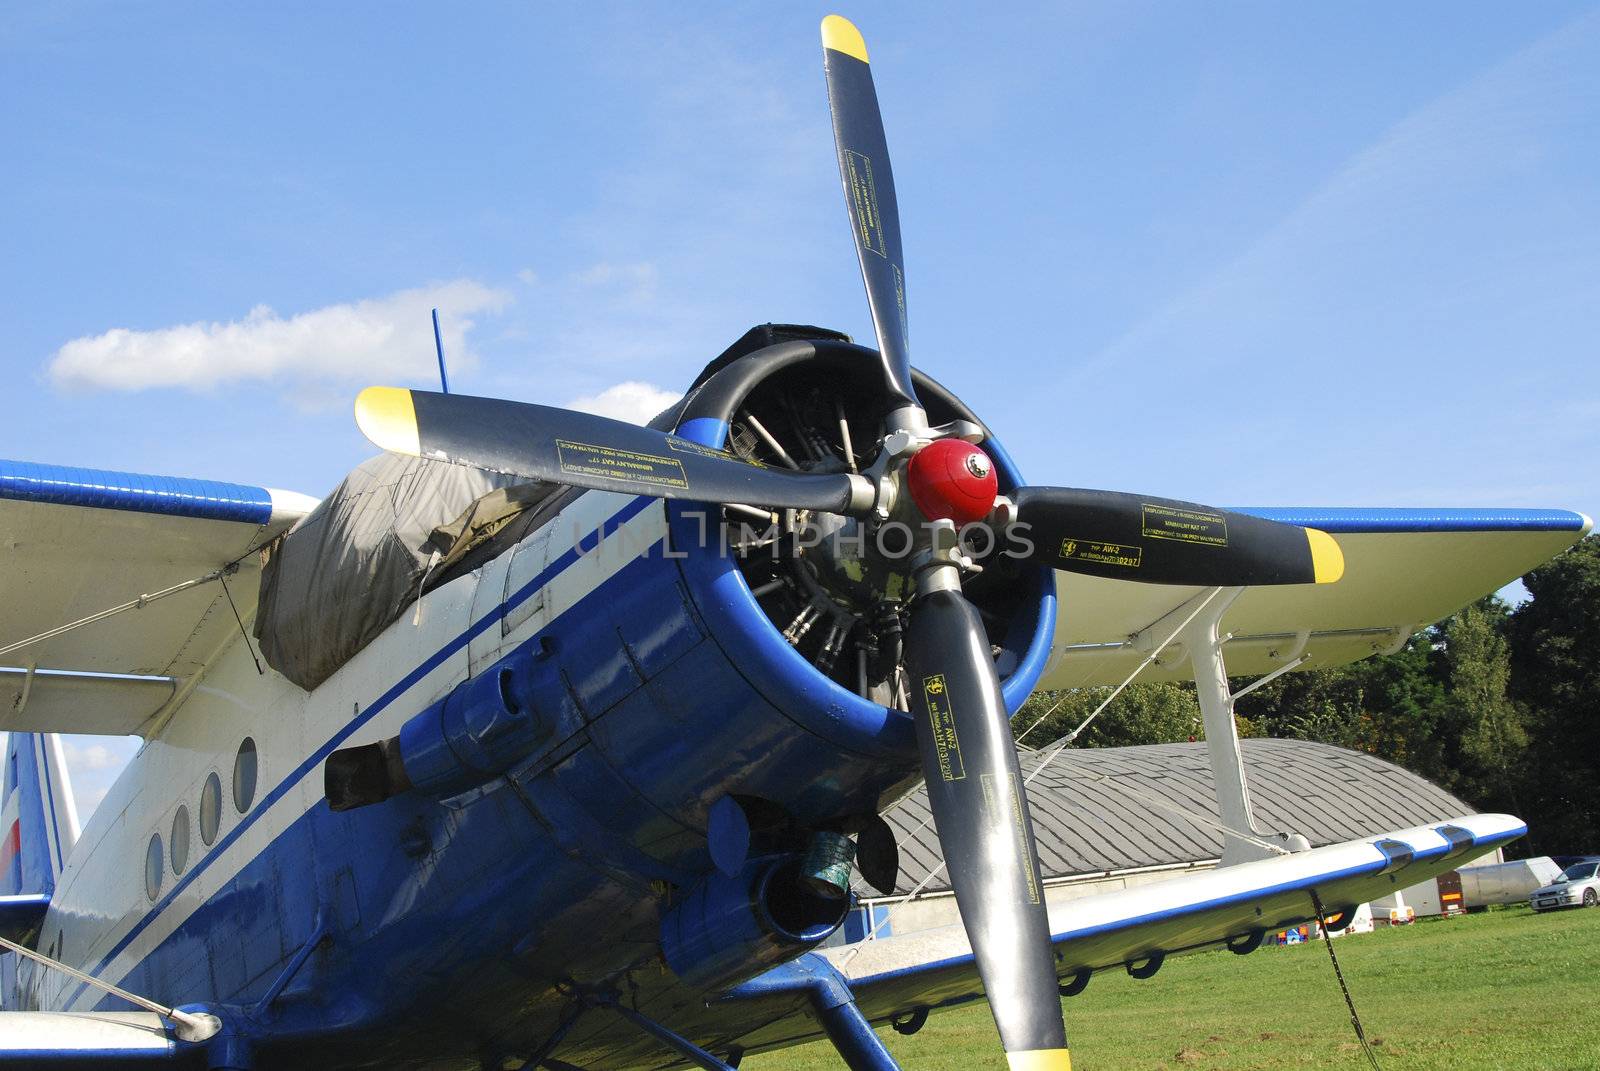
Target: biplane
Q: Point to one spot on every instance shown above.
(548, 740)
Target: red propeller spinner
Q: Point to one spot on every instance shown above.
(950, 479)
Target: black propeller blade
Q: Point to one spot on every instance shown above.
(981, 814)
(968, 759)
(583, 450)
(1162, 541)
(869, 195)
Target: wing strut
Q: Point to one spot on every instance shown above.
(832, 1003)
(679, 1044)
(1241, 841)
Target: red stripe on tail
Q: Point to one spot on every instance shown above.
(11, 846)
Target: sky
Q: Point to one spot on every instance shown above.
(1238, 253)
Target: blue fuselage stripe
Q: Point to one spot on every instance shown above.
(584, 546)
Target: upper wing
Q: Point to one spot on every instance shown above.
(79, 541)
(1403, 569)
(901, 976)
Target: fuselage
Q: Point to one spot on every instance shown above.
(425, 931)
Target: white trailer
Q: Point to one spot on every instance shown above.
(1506, 883)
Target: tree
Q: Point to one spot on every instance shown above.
(1389, 706)
(1315, 704)
(1555, 672)
(1145, 713)
(1491, 736)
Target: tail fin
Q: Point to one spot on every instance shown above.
(38, 817)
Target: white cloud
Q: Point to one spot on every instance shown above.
(632, 401)
(634, 284)
(381, 339)
(93, 764)
(92, 757)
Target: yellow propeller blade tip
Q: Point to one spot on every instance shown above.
(841, 35)
(387, 417)
(1327, 560)
(1039, 1060)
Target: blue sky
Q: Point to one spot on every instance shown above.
(1240, 253)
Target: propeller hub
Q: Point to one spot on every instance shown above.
(950, 479)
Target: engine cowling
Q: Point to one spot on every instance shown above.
(727, 929)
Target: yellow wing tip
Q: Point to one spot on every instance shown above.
(1327, 560)
(1039, 1060)
(841, 35)
(387, 417)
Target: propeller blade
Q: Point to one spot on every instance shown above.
(981, 815)
(583, 450)
(869, 196)
(1162, 541)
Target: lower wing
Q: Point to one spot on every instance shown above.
(903, 977)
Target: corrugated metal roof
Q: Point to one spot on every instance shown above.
(1088, 821)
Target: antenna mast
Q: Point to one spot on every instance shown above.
(438, 346)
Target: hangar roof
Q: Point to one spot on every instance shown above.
(1089, 818)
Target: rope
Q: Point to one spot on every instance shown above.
(895, 905)
(1349, 1001)
(1151, 657)
(191, 1022)
(139, 604)
(1050, 756)
(247, 646)
(131, 604)
(1156, 801)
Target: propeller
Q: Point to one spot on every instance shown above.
(584, 450)
(1163, 541)
(969, 761)
(869, 198)
(980, 811)
(939, 481)
(981, 815)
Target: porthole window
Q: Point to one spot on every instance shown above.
(154, 864)
(244, 776)
(210, 808)
(180, 839)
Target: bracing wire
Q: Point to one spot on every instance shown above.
(1050, 755)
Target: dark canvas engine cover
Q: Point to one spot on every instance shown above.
(352, 565)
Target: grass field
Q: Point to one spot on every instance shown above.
(1502, 989)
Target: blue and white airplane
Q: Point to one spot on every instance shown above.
(590, 794)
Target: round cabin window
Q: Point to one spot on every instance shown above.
(210, 808)
(180, 839)
(244, 776)
(154, 864)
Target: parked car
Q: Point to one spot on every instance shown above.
(1578, 886)
(1564, 861)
